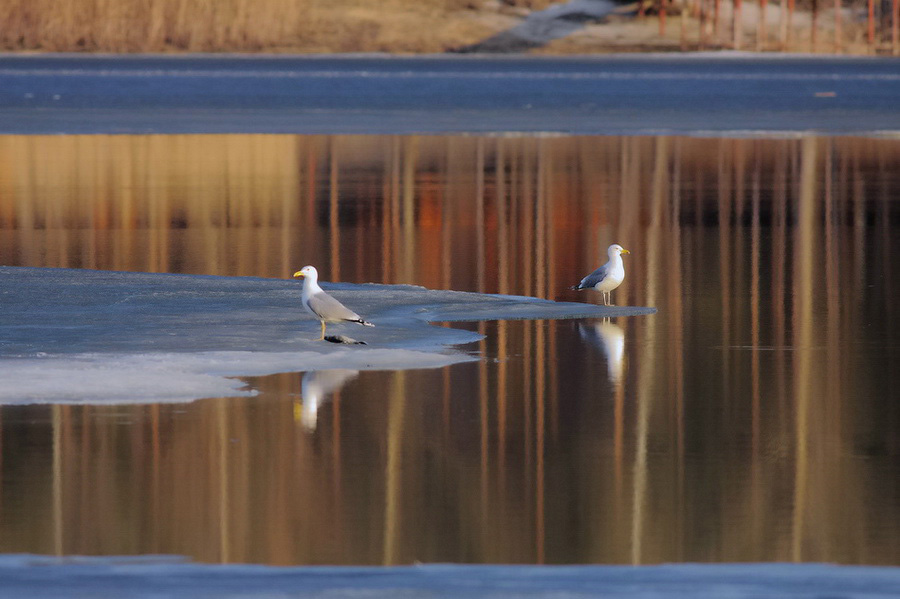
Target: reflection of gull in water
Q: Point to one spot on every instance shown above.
(316, 385)
(321, 305)
(607, 277)
(610, 338)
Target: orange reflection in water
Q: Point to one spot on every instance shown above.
(751, 419)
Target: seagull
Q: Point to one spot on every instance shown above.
(323, 306)
(607, 277)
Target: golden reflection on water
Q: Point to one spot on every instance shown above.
(753, 418)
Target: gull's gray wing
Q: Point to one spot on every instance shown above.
(594, 278)
(328, 308)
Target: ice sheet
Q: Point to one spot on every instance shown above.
(723, 94)
(82, 336)
(159, 576)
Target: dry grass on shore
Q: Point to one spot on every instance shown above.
(244, 25)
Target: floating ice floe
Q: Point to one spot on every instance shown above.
(83, 336)
(38, 577)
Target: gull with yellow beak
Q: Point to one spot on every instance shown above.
(607, 277)
(321, 305)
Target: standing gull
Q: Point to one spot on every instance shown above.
(607, 277)
(321, 305)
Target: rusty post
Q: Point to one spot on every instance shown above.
(790, 23)
(814, 34)
(782, 24)
(837, 26)
(761, 28)
(701, 24)
(737, 25)
(895, 28)
(717, 37)
(662, 18)
(870, 28)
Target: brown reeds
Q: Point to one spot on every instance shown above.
(229, 25)
(137, 26)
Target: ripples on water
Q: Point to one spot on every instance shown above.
(753, 418)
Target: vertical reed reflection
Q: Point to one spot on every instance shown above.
(224, 508)
(394, 471)
(58, 425)
(750, 419)
(756, 501)
(803, 336)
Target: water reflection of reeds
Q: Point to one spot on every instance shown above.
(378, 205)
(753, 418)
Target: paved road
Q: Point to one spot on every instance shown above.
(717, 95)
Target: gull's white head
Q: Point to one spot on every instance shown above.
(307, 272)
(616, 250)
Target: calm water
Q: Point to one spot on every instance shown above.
(755, 417)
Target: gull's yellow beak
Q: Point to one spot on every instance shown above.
(624, 251)
(299, 274)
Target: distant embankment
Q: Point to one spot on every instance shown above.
(245, 25)
(434, 26)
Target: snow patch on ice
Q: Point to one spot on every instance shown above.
(173, 377)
